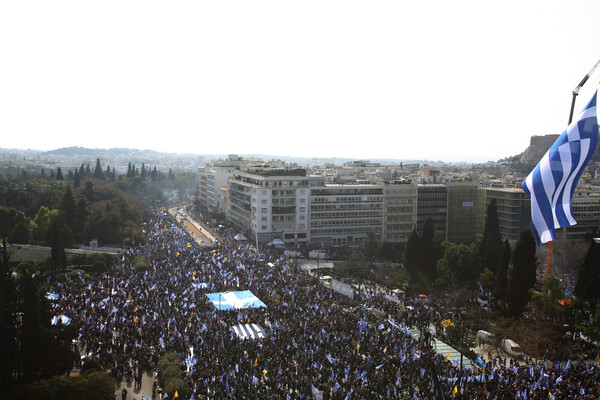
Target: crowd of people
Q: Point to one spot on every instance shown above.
(318, 343)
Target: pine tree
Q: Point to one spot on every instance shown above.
(143, 173)
(67, 204)
(154, 175)
(427, 254)
(58, 257)
(59, 175)
(31, 330)
(98, 170)
(412, 254)
(522, 275)
(76, 180)
(502, 276)
(81, 171)
(588, 281)
(490, 247)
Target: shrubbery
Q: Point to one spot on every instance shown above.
(170, 374)
(95, 385)
(140, 263)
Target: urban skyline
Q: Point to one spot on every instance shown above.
(440, 81)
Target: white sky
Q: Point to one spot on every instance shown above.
(440, 80)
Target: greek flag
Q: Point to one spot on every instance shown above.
(551, 184)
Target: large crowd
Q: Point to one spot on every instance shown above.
(318, 343)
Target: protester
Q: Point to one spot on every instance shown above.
(316, 339)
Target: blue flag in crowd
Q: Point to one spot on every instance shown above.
(551, 184)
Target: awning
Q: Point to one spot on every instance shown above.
(249, 331)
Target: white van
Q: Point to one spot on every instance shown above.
(293, 254)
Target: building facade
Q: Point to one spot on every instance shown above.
(343, 214)
(399, 211)
(586, 211)
(269, 207)
(514, 211)
(432, 202)
(466, 212)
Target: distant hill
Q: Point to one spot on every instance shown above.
(84, 151)
(539, 145)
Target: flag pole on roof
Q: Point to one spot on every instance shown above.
(551, 184)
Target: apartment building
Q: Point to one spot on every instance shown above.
(343, 214)
(399, 211)
(514, 210)
(269, 206)
(586, 211)
(432, 201)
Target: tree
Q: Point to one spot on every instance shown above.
(76, 180)
(411, 258)
(67, 204)
(8, 323)
(502, 277)
(521, 276)
(371, 244)
(105, 226)
(427, 253)
(98, 170)
(42, 223)
(546, 302)
(459, 264)
(59, 175)
(9, 218)
(588, 281)
(491, 245)
(66, 237)
(20, 234)
(89, 191)
(81, 215)
(31, 329)
(58, 258)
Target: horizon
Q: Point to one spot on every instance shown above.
(251, 155)
(435, 81)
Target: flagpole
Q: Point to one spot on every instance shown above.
(548, 269)
(576, 90)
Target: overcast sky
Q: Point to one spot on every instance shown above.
(439, 80)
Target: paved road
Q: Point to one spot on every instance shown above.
(147, 381)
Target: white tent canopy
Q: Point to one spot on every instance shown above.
(239, 237)
(249, 331)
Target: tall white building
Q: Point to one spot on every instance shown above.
(270, 207)
(215, 176)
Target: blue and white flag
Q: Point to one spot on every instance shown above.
(551, 184)
(317, 394)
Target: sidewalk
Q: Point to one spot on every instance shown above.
(147, 381)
